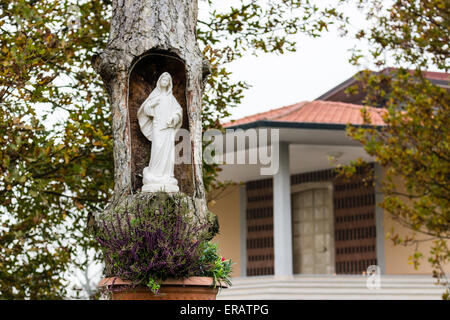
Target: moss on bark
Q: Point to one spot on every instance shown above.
(169, 203)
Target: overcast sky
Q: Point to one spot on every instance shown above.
(279, 80)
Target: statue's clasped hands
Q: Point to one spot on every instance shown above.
(172, 123)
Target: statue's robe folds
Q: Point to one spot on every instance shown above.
(154, 115)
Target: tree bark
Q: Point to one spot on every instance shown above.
(146, 35)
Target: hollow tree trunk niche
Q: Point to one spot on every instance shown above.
(143, 78)
(147, 38)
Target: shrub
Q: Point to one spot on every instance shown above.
(213, 265)
(156, 242)
(151, 245)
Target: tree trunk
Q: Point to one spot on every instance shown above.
(148, 37)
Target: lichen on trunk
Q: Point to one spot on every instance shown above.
(170, 204)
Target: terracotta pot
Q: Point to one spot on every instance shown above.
(194, 288)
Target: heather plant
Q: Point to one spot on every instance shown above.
(151, 244)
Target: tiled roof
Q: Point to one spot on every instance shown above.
(437, 75)
(430, 75)
(438, 78)
(317, 111)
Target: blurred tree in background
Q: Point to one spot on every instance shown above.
(412, 36)
(55, 142)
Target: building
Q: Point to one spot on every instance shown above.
(304, 233)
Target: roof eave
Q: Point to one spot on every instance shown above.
(296, 125)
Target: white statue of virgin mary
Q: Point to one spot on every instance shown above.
(159, 117)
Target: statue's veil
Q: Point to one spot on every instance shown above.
(157, 91)
(145, 122)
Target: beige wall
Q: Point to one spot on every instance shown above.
(227, 208)
(397, 257)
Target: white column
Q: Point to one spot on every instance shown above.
(379, 219)
(243, 229)
(282, 231)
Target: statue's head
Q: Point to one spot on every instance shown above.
(165, 81)
(163, 85)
